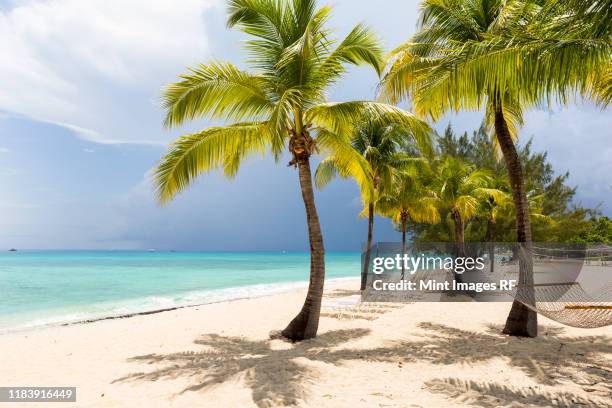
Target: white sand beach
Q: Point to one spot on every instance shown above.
(368, 355)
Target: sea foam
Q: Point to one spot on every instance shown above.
(155, 304)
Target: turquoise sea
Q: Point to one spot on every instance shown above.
(40, 288)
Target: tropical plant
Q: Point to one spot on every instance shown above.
(491, 207)
(599, 232)
(381, 142)
(279, 106)
(559, 48)
(499, 206)
(554, 215)
(410, 199)
(461, 189)
(439, 75)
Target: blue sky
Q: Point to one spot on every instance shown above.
(80, 130)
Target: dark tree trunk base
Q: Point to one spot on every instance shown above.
(299, 329)
(521, 322)
(278, 335)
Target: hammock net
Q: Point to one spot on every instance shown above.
(568, 302)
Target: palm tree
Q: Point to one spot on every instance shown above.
(409, 200)
(430, 68)
(510, 54)
(279, 106)
(562, 46)
(492, 206)
(460, 189)
(499, 206)
(380, 141)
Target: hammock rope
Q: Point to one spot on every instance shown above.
(564, 302)
(567, 303)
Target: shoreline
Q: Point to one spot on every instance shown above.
(365, 355)
(291, 286)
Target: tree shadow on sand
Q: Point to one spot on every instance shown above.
(549, 359)
(275, 377)
(491, 395)
(283, 376)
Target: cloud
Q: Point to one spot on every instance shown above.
(577, 140)
(96, 67)
(4, 150)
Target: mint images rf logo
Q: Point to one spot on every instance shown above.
(433, 285)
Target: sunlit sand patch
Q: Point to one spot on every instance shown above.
(347, 305)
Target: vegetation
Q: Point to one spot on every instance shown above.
(410, 200)
(382, 143)
(279, 106)
(598, 230)
(434, 70)
(461, 189)
(500, 57)
(554, 216)
(505, 56)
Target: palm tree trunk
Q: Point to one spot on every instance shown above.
(521, 321)
(305, 324)
(459, 239)
(403, 247)
(459, 233)
(368, 249)
(491, 244)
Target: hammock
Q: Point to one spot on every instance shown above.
(567, 303)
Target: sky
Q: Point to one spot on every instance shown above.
(81, 130)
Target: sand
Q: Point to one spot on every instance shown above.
(368, 355)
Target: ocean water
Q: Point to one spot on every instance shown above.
(55, 287)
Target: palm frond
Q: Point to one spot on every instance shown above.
(259, 18)
(342, 117)
(529, 53)
(325, 173)
(347, 161)
(210, 149)
(467, 206)
(498, 195)
(360, 47)
(216, 90)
